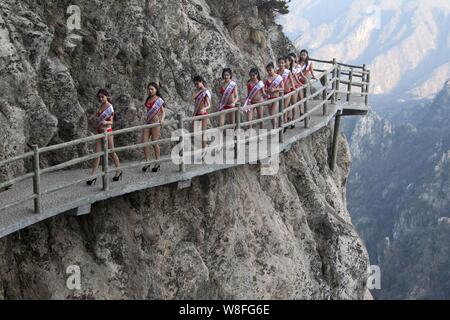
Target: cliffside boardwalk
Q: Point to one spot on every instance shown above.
(46, 192)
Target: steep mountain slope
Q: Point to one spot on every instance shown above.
(233, 235)
(399, 196)
(406, 43)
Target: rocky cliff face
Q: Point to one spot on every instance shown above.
(49, 75)
(399, 198)
(233, 235)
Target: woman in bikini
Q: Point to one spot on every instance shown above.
(202, 98)
(289, 84)
(273, 86)
(155, 113)
(297, 71)
(105, 121)
(291, 65)
(229, 96)
(256, 93)
(307, 68)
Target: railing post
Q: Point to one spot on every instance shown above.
(334, 85)
(338, 83)
(364, 78)
(367, 87)
(105, 162)
(237, 133)
(325, 95)
(281, 120)
(181, 130)
(337, 128)
(36, 180)
(307, 91)
(350, 84)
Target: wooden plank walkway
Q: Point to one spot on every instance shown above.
(79, 198)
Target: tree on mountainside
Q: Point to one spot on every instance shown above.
(275, 7)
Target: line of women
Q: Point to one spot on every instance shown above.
(290, 73)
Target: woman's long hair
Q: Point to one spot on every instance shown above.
(158, 92)
(255, 71)
(200, 79)
(105, 93)
(291, 62)
(307, 56)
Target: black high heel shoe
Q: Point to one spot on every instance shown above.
(156, 168)
(91, 182)
(145, 169)
(119, 177)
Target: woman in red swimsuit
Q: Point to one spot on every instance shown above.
(288, 86)
(202, 98)
(105, 121)
(306, 67)
(155, 113)
(290, 64)
(297, 71)
(273, 86)
(229, 88)
(256, 93)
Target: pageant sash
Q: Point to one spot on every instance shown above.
(306, 67)
(199, 99)
(276, 82)
(252, 95)
(155, 109)
(108, 113)
(226, 95)
(286, 74)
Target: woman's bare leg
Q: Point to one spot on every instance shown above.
(156, 134)
(287, 104)
(294, 101)
(222, 120)
(98, 148)
(114, 155)
(204, 128)
(249, 118)
(145, 138)
(260, 111)
(273, 111)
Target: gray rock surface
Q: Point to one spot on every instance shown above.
(233, 235)
(49, 75)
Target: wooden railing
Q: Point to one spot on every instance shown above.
(332, 78)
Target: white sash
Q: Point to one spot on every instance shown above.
(226, 95)
(108, 113)
(199, 99)
(252, 95)
(306, 67)
(276, 82)
(155, 109)
(286, 74)
(297, 69)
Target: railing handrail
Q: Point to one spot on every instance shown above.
(340, 64)
(325, 92)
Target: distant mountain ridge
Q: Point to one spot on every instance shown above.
(406, 43)
(399, 197)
